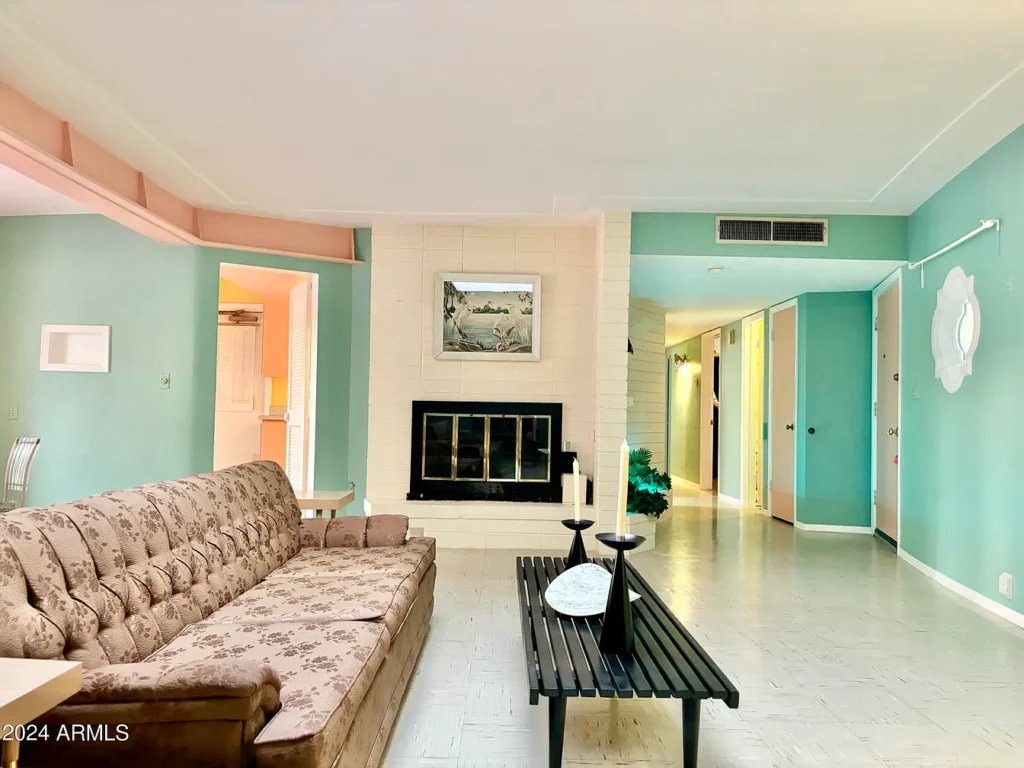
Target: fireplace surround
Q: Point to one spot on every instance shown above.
(480, 451)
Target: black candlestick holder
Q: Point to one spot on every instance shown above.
(577, 552)
(617, 627)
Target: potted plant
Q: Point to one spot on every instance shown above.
(647, 485)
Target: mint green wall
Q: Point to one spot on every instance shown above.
(684, 411)
(103, 431)
(730, 412)
(961, 454)
(833, 466)
(693, 234)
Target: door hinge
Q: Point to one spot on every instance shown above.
(772, 335)
(874, 411)
(876, 323)
(874, 498)
(771, 485)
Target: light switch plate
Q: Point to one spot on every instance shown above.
(165, 381)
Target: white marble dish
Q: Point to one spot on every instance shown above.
(581, 591)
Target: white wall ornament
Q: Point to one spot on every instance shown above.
(956, 327)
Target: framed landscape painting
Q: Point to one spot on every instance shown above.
(487, 317)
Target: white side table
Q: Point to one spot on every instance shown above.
(28, 689)
(324, 501)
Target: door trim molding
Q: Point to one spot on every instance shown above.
(896, 278)
(749, 320)
(1000, 610)
(796, 397)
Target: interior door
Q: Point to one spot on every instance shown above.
(297, 417)
(782, 415)
(887, 420)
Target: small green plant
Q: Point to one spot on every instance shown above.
(647, 485)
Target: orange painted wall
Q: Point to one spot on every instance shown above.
(272, 441)
(275, 335)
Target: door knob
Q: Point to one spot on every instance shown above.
(789, 427)
(893, 432)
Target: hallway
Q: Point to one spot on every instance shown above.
(843, 655)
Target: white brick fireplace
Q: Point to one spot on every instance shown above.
(584, 326)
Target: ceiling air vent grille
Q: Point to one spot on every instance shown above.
(772, 231)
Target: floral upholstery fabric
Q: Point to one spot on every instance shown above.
(348, 532)
(211, 616)
(412, 559)
(386, 530)
(112, 578)
(325, 670)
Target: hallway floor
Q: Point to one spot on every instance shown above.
(844, 656)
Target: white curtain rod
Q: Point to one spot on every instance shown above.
(985, 224)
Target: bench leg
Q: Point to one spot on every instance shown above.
(691, 731)
(556, 730)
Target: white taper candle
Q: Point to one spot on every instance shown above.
(620, 518)
(576, 487)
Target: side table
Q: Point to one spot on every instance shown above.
(28, 689)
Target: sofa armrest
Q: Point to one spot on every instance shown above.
(167, 681)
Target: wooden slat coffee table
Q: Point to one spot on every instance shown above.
(563, 658)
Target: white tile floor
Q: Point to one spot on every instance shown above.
(844, 656)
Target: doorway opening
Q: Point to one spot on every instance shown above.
(885, 446)
(266, 370)
(782, 414)
(753, 451)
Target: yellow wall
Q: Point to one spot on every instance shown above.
(232, 293)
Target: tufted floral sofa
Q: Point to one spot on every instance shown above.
(217, 625)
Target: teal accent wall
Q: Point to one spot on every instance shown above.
(693, 234)
(961, 454)
(114, 430)
(684, 411)
(730, 412)
(833, 466)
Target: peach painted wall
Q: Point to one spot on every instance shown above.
(275, 335)
(272, 441)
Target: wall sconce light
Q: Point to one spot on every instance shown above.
(680, 361)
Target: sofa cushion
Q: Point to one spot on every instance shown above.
(386, 530)
(325, 670)
(349, 532)
(411, 559)
(318, 598)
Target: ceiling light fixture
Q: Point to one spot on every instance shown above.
(716, 270)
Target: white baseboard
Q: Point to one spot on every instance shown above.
(834, 528)
(1000, 610)
(730, 500)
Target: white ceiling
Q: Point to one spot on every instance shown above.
(699, 301)
(348, 111)
(20, 196)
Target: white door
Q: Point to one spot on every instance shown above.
(782, 416)
(708, 412)
(296, 451)
(887, 419)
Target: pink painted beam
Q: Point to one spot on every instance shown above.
(41, 146)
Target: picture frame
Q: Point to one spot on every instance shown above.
(487, 317)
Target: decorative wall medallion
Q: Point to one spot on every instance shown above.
(582, 591)
(956, 327)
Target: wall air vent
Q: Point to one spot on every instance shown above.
(771, 231)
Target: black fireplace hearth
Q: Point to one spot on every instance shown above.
(473, 451)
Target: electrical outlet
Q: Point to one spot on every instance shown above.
(12, 412)
(1006, 585)
(913, 393)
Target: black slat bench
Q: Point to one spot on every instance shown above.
(563, 658)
